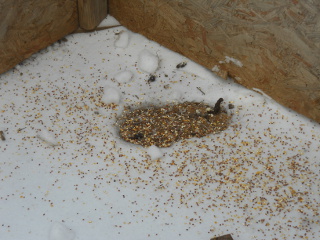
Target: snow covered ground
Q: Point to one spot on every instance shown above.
(65, 173)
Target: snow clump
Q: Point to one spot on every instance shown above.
(233, 60)
(123, 40)
(59, 231)
(124, 76)
(154, 152)
(47, 137)
(175, 96)
(111, 95)
(148, 62)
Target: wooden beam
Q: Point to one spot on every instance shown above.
(91, 13)
(270, 45)
(27, 26)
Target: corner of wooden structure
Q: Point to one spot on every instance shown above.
(271, 46)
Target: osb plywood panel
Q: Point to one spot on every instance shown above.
(91, 13)
(276, 42)
(27, 26)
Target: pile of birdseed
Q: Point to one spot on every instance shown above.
(163, 126)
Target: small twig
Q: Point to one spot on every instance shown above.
(201, 91)
(216, 108)
(2, 136)
(20, 129)
(79, 30)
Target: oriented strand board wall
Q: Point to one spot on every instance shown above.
(27, 26)
(277, 42)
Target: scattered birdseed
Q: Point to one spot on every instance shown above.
(162, 126)
(258, 179)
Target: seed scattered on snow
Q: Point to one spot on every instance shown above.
(265, 164)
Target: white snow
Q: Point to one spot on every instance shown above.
(109, 21)
(18, 67)
(59, 231)
(259, 179)
(47, 137)
(124, 76)
(215, 68)
(148, 62)
(233, 60)
(122, 40)
(175, 95)
(111, 95)
(154, 152)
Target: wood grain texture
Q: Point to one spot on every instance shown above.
(91, 13)
(276, 42)
(224, 237)
(27, 26)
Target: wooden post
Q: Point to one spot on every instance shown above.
(91, 13)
